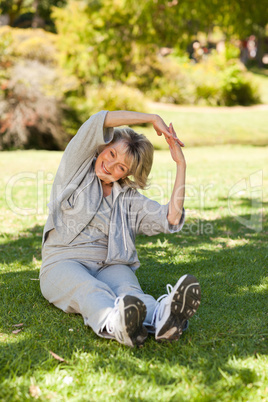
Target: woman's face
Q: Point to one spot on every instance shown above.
(111, 164)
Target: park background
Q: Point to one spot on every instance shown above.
(201, 65)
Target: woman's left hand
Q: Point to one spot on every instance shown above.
(175, 146)
(161, 128)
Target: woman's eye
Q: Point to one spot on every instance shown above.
(111, 152)
(123, 169)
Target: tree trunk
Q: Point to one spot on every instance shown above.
(14, 12)
(35, 21)
(260, 50)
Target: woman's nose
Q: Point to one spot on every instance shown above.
(110, 164)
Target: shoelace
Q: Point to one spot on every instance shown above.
(111, 318)
(169, 290)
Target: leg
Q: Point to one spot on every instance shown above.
(123, 281)
(70, 287)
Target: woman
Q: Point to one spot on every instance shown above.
(89, 254)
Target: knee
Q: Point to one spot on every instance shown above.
(127, 289)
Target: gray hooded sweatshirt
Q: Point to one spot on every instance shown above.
(77, 193)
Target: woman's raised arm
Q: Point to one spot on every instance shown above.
(120, 118)
(176, 202)
(123, 117)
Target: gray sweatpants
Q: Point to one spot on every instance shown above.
(81, 287)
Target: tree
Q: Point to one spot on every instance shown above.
(26, 13)
(102, 41)
(247, 18)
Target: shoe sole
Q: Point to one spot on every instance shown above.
(185, 302)
(134, 315)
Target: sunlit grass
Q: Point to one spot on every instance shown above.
(212, 126)
(223, 355)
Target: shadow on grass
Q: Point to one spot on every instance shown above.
(21, 248)
(246, 202)
(254, 203)
(259, 71)
(231, 265)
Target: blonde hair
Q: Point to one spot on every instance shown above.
(139, 153)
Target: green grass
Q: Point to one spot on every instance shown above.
(223, 355)
(213, 126)
(199, 126)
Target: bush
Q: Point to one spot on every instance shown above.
(167, 91)
(31, 114)
(34, 44)
(237, 88)
(215, 82)
(37, 48)
(115, 96)
(33, 92)
(169, 84)
(97, 46)
(111, 96)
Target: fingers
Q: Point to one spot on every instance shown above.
(173, 136)
(168, 132)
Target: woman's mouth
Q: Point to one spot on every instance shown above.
(104, 168)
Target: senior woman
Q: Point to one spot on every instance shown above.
(88, 250)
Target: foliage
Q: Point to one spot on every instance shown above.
(165, 23)
(29, 116)
(216, 81)
(27, 13)
(97, 46)
(33, 86)
(113, 68)
(225, 83)
(30, 44)
(170, 84)
(155, 23)
(111, 96)
(32, 105)
(237, 88)
(37, 48)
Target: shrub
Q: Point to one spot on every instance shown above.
(115, 96)
(237, 88)
(111, 96)
(232, 52)
(33, 92)
(31, 117)
(34, 44)
(203, 80)
(37, 48)
(167, 91)
(215, 82)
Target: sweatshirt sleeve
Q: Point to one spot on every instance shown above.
(83, 147)
(151, 218)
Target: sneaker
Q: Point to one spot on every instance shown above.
(175, 308)
(125, 321)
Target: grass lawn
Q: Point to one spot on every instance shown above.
(213, 126)
(223, 355)
(217, 125)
